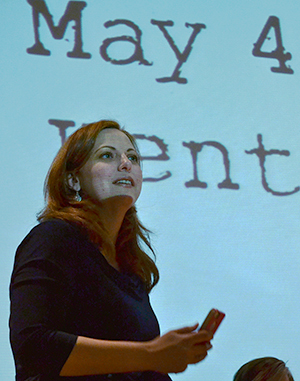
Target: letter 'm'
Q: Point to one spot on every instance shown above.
(72, 13)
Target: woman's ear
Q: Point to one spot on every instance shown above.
(73, 182)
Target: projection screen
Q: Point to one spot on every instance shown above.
(211, 91)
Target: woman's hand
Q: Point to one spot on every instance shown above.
(170, 353)
(174, 351)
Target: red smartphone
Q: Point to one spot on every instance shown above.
(212, 320)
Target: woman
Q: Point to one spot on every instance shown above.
(81, 279)
(264, 369)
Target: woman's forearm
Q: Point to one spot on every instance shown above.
(91, 356)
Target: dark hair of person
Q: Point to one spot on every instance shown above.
(264, 369)
(61, 204)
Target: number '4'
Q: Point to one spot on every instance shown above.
(278, 53)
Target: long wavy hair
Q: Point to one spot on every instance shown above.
(264, 369)
(61, 204)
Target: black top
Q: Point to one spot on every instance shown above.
(63, 287)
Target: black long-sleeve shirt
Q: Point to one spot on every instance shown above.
(63, 287)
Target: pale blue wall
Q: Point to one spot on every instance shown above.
(237, 250)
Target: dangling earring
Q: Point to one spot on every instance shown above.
(77, 197)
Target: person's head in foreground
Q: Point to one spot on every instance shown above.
(264, 369)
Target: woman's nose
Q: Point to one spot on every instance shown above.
(125, 163)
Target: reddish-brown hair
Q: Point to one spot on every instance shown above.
(263, 369)
(61, 204)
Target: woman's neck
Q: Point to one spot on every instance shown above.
(113, 211)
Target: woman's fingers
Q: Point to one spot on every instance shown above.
(187, 329)
(197, 358)
(175, 350)
(200, 337)
(195, 336)
(198, 350)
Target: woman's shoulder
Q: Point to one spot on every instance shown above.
(50, 240)
(54, 229)
(54, 226)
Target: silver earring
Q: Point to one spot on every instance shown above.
(77, 197)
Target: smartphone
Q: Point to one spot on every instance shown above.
(212, 320)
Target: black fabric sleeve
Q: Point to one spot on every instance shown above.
(40, 293)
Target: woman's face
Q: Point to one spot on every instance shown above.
(113, 168)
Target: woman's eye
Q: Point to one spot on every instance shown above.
(134, 158)
(106, 155)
